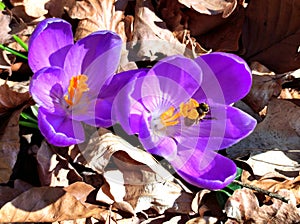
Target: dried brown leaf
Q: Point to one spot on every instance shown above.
(134, 179)
(243, 206)
(265, 86)
(151, 39)
(11, 105)
(5, 29)
(49, 204)
(274, 182)
(272, 34)
(98, 15)
(279, 129)
(212, 32)
(32, 8)
(53, 169)
(211, 7)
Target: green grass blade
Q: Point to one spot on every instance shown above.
(2, 5)
(12, 51)
(21, 42)
(29, 124)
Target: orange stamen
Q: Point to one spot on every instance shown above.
(76, 88)
(168, 118)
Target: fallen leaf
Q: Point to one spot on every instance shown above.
(211, 7)
(244, 207)
(151, 39)
(279, 129)
(54, 170)
(265, 86)
(32, 8)
(5, 29)
(271, 34)
(274, 160)
(11, 105)
(98, 15)
(49, 204)
(135, 181)
(274, 182)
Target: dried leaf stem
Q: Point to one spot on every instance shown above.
(260, 190)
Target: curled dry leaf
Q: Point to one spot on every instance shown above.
(49, 204)
(135, 181)
(271, 34)
(280, 129)
(5, 29)
(151, 39)
(266, 85)
(212, 32)
(29, 8)
(274, 182)
(53, 169)
(243, 206)
(11, 105)
(98, 15)
(263, 162)
(211, 7)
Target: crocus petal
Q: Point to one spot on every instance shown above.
(170, 82)
(205, 169)
(59, 130)
(96, 56)
(47, 87)
(49, 43)
(224, 127)
(126, 109)
(227, 77)
(159, 145)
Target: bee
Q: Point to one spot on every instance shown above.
(193, 112)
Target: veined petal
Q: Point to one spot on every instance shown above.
(47, 88)
(227, 78)
(159, 145)
(126, 109)
(60, 130)
(205, 169)
(171, 81)
(96, 56)
(224, 127)
(49, 44)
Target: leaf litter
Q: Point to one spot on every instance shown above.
(107, 180)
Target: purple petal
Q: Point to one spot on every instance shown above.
(222, 128)
(206, 170)
(126, 109)
(47, 88)
(171, 81)
(159, 145)
(60, 130)
(96, 56)
(49, 44)
(227, 78)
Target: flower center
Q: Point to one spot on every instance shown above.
(191, 111)
(76, 88)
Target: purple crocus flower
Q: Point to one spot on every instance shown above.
(181, 110)
(68, 77)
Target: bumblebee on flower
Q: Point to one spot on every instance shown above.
(181, 110)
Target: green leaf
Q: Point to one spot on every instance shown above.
(12, 51)
(21, 42)
(2, 5)
(29, 124)
(29, 117)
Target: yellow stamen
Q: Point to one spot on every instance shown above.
(168, 118)
(76, 88)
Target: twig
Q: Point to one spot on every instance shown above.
(260, 190)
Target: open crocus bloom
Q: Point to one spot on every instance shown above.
(68, 77)
(181, 110)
